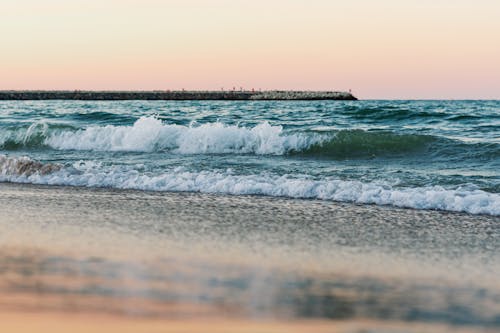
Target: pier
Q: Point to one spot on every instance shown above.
(232, 95)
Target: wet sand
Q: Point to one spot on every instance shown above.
(50, 322)
(105, 260)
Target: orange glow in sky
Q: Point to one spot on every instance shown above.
(379, 49)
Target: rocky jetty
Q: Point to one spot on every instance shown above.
(173, 95)
(302, 95)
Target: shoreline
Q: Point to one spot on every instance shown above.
(272, 219)
(271, 263)
(215, 195)
(88, 95)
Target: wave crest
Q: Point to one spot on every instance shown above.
(149, 134)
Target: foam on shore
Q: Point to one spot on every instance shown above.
(92, 174)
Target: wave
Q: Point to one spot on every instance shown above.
(388, 113)
(422, 111)
(359, 143)
(92, 174)
(33, 136)
(149, 134)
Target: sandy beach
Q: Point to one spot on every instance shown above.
(50, 322)
(196, 262)
(250, 166)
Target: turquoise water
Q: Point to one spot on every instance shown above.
(441, 155)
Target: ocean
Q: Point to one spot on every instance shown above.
(438, 155)
(250, 216)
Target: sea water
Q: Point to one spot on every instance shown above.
(435, 155)
(87, 246)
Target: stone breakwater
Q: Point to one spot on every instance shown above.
(175, 95)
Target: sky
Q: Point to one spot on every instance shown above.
(381, 49)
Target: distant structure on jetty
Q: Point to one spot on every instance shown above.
(272, 95)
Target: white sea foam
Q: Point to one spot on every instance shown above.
(92, 174)
(150, 134)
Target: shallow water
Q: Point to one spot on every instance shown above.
(441, 155)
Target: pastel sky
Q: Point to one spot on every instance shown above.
(377, 48)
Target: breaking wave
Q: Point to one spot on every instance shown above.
(91, 174)
(149, 134)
